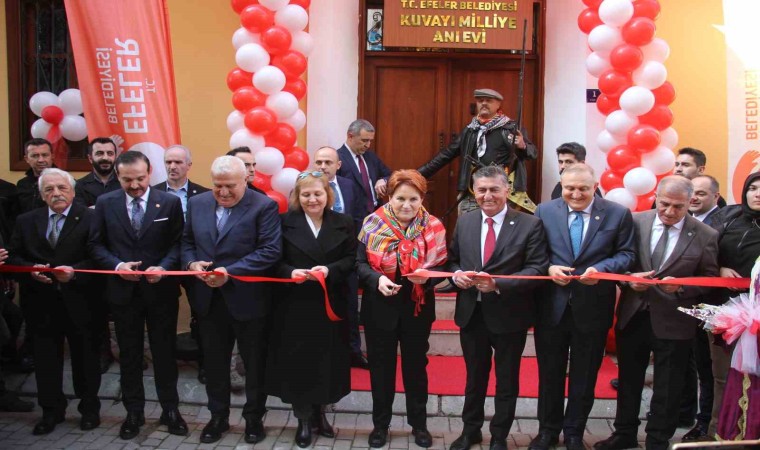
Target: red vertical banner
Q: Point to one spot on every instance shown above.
(122, 50)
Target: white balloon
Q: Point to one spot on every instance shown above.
(235, 121)
(302, 42)
(244, 138)
(639, 181)
(155, 154)
(284, 104)
(274, 5)
(269, 80)
(252, 57)
(284, 180)
(669, 138)
(660, 160)
(616, 12)
(243, 36)
(269, 160)
(596, 64)
(619, 122)
(292, 17)
(622, 196)
(637, 100)
(650, 75)
(40, 100)
(74, 128)
(657, 50)
(40, 128)
(71, 102)
(297, 120)
(606, 141)
(604, 38)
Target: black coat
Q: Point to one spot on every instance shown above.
(309, 356)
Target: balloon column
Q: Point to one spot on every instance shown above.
(628, 60)
(59, 116)
(271, 49)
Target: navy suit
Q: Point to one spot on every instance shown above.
(375, 170)
(577, 316)
(133, 304)
(249, 244)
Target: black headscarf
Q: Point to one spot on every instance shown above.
(749, 212)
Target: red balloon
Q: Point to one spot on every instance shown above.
(52, 114)
(660, 117)
(646, 8)
(610, 180)
(292, 63)
(302, 3)
(643, 138)
(276, 39)
(645, 201)
(588, 19)
(261, 120)
(240, 5)
(247, 97)
(282, 137)
(606, 104)
(626, 57)
(238, 78)
(297, 159)
(665, 94)
(613, 83)
(295, 86)
(593, 4)
(263, 182)
(292, 149)
(639, 31)
(282, 202)
(622, 158)
(256, 18)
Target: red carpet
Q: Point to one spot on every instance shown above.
(446, 376)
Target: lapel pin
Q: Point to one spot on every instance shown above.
(690, 233)
(76, 218)
(596, 218)
(194, 191)
(158, 205)
(511, 222)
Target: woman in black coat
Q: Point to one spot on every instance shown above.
(308, 364)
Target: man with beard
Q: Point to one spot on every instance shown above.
(245, 154)
(38, 153)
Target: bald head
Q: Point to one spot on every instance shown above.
(327, 161)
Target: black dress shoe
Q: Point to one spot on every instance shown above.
(254, 431)
(131, 426)
(466, 441)
(320, 424)
(574, 443)
(201, 375)
(360, 361)
(498, 444)
(89, 421)
(615, 383)
(422, 437)
(378, 437)
(303, 434)
(543, 441)
(47, 424)
(213, 430)
(174, 421)
(698, 433)
(617, 442)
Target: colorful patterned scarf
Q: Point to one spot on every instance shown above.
(498, 121)
(389, 247)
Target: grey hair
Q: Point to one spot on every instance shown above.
(358, 125)
(491, 172)
(675, 184)
(55, 171)
(579, 168)
(714, 185)
(227, 165)
(188, 156)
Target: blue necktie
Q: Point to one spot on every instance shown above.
(337, 206)
(137, 215)
(222, 219)
(576, 232)
(54, 230)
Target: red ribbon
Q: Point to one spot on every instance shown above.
(244, 278)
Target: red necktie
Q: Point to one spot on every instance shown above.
(490, 241)
(365, 182)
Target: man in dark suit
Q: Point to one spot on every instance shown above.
(56, 236)
(232, 230)
(568, 154)
(139, 228)
(178, 161)
(362, 166)
(494, 314)
(669, 243)
(347, 201)
(245, 154)
(586, 234)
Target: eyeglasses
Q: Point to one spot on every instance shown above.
(315, 174)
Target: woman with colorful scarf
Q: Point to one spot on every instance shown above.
(396, 240)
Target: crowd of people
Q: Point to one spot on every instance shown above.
(352, 222)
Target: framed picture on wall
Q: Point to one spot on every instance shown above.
(374, 29)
